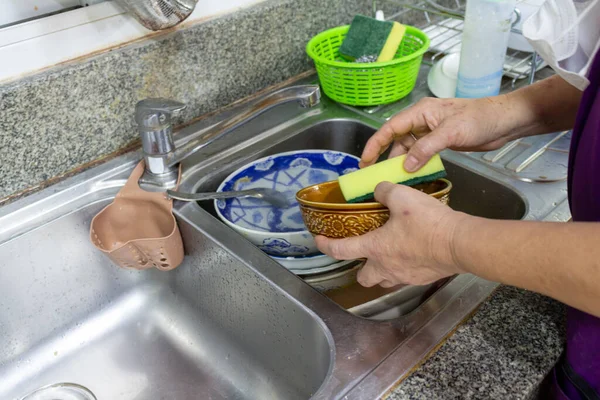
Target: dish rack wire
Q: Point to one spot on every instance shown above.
(443, 24)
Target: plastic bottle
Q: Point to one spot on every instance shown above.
(484, 41)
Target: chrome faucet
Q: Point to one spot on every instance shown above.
(153, 117)
(159, 14)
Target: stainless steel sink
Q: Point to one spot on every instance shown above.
(472, 193)
(213, 328)
(229, 323)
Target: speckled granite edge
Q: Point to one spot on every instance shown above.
(68, 116)
(503, 352)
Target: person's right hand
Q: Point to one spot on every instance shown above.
(437, 124)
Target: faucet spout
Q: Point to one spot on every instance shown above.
(305, 95)
(162, 161)
(159, 14)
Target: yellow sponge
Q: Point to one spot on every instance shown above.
(359, 185)
(391, 45)
(370, 40)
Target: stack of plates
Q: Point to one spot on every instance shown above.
(280, 232)
(310, 265)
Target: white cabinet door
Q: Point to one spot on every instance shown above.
(17, 10)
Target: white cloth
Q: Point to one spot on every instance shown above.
(566, 34)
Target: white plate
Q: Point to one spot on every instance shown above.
(306, 262)
(321, 270)
(443, 76)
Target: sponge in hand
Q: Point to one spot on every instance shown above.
(371, 39)
(360, 185)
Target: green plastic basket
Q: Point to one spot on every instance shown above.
(368, 84)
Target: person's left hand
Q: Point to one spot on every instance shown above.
(413, 247)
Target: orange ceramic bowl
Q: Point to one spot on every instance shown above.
(326, 212)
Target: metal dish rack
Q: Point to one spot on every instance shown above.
(533, 159)
(443, 24)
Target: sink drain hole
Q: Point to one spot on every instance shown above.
(61, 391)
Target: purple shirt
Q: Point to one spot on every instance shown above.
(582, 354)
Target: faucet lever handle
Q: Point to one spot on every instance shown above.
(155, 114)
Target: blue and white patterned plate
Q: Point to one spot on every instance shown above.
(277, 231)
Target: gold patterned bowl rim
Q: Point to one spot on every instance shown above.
(356, 206)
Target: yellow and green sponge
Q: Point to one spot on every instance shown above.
(360, 185)
(369, 39)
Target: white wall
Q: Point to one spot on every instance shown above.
(16, 10)
(32, 46)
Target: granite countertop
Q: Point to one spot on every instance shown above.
(503, 352)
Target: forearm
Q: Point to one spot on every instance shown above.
(547, 106)
(560, 260)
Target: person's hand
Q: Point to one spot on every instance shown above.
(432, 125)
(413, 247)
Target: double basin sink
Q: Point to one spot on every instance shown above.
(229, 323)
